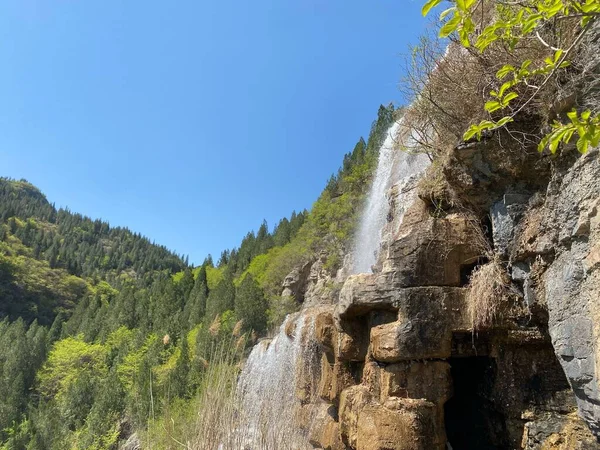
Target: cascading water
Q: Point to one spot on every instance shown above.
(395, 167)
(268, 390)
(283, 373)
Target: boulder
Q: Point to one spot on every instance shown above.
(325, 330)
(558, 432)
(365, 293)
(505, 214)
(335, 377)
(294, 284)
(352, 341)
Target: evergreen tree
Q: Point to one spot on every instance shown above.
(179, 379)
(221, 298)
(251, 305)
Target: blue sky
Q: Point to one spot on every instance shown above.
(192, 121)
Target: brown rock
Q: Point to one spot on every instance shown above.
(325, 432)
(352, 341)
(352, 401)
(428, 380)
(371, 377)
(325, 331)
(365, 293)
(411, 339)
(403, 424)
(431, 251)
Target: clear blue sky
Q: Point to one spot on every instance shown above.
(191, 121)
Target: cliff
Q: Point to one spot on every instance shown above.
(479, 326)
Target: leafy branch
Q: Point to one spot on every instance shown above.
(514, 21)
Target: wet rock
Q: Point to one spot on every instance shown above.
(325, 432)
(411, 339)
(335, 377)
(352, 341)
(429, 380)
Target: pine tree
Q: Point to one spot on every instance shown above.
(251, 305)
(221, 298)
(196, 304)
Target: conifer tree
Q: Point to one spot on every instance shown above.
(221, 298)
(251, 305)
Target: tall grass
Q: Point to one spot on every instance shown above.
(205, 421)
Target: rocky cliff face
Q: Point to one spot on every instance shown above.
(402, 368)
(431, 351)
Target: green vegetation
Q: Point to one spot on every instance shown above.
(558, 26)
(104, 333)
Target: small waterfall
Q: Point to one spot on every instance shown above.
(276, 375)
(395, 167)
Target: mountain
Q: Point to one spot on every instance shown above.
(101, 327)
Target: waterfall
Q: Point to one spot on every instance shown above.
(395, 167)
(282, 374)
(275, 377)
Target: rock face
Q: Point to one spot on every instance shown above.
(571, 221)
(400, 366)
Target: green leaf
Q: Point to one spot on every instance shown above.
(554, 141)
(464, 37)
(430, 4)
(470, 133)
(510, 96)
(492, 106)
(450, 26)
(554, 9)
(504, 71)
(504, 121)
(557, 54)
(504, 87)
(573, 116)
(568, 135)
(543, 143)
(582, 145)
(446, 12)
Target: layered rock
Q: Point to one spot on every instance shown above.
(400, 365)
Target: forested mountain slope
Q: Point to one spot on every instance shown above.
(101, 329)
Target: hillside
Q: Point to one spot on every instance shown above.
(105, 327)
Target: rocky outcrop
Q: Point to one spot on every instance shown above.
(568, 243)
(400, 366)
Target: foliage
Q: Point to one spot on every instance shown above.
(103, 333)
(251, 305)
(512, 24)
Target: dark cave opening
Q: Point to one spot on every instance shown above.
(473, 421)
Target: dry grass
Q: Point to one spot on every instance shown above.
(489, 289)
(433, 188)
(206, 421)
